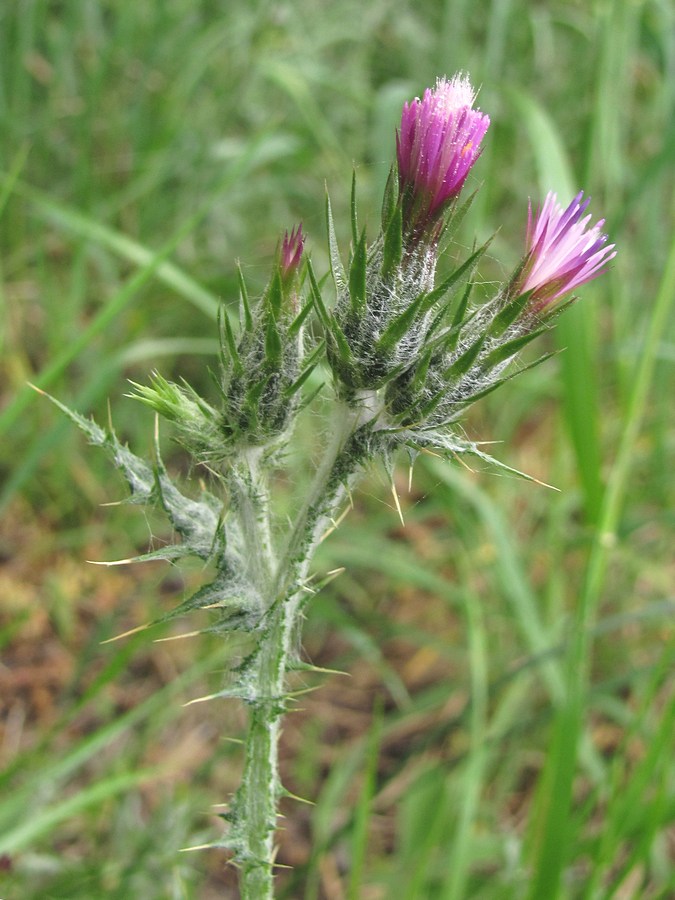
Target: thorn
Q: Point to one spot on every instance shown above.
(337, 522)
(118, 637)
(429, 452)
(36, 388)
(410, 474)
(110, 424)
(462, 463)
(398, 505)
(113, 503)
(301, 691)
(112, 562)
(203, 699)
(177, 637)
(545, 484)
(292, 796)
(310, 668)
(198, 847)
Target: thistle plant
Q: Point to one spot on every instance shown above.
(399, 355)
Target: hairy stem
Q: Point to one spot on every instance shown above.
(256, 802)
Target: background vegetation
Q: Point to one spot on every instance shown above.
(143, 148)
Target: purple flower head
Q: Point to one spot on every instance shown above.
(437, 145)
(562, 250)
(291, 252)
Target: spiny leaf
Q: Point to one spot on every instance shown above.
(197, 521)
(298, 321)
(310, 364)
(354, 222)
(169, 553)
(392, 249)
(469, 264)
(458, 318)
(227, 340)
(465, 360)
(273, 346)
(390, 198)
(357, 276)
(320, 306)
(421, 370)
(225, 592)
(307, 401)
(328, 321)
(510, 348)
(274, 295)
(456, 217)
(243, 293)
(335, 262)
(500, 381)
(515, 307)
(401, 324)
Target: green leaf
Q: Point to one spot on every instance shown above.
(392, 251)
(508, 315)
(336, 266)
(464, 362)
(510, 348)
(458, 319)
(225, 592)
(328, 321)
(500, 381)
(457, 215)
(310, 365)
(357, 276)
(274, 295)
(354, 222)
(197, 521)
(319, 305)
(245, 305)
(227, 340)
(469, 264)
(273, 343)
(401, 324)
(298, 321)
(390, 198)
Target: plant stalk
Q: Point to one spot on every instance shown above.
(257, 798)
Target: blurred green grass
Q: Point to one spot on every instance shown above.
(520, 640)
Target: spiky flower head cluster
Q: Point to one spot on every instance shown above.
(424, 347)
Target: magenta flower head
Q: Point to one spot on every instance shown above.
(291, 252)
(563, 251)
(437, 145)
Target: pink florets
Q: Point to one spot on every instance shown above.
(564, 252)
(437, 145)
(291, 251)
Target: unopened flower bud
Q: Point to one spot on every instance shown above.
(437, 145)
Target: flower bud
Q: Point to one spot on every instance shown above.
(437, 145)
(563, 251)
(262, 367)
